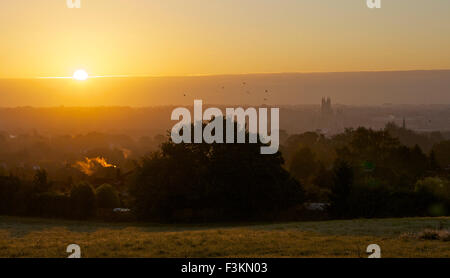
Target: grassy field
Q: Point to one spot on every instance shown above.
(31, 237)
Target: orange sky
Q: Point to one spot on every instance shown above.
(164, 38)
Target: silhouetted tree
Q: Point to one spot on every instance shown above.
(107, 197)
(40, 182)
(342, 186)
(303, 164)
(82, 200)
(442, 152)
(213, 182)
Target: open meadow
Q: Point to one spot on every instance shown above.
(404, 237)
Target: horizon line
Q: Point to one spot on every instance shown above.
(221, 105)
(226, 74)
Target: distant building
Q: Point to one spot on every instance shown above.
(326, 108)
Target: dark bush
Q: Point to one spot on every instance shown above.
(107, 197)
(381, 201)
(16, 196)
(40, 181)
(82, 201)
(9, 187)
(343, 176)
(51, 204)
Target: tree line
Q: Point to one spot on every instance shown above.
(358, 173)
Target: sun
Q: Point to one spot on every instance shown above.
(80, 75)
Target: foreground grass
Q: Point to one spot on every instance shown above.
(31, 237)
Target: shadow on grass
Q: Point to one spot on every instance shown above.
(19, 227)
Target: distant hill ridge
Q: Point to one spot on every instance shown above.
(353, 88)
